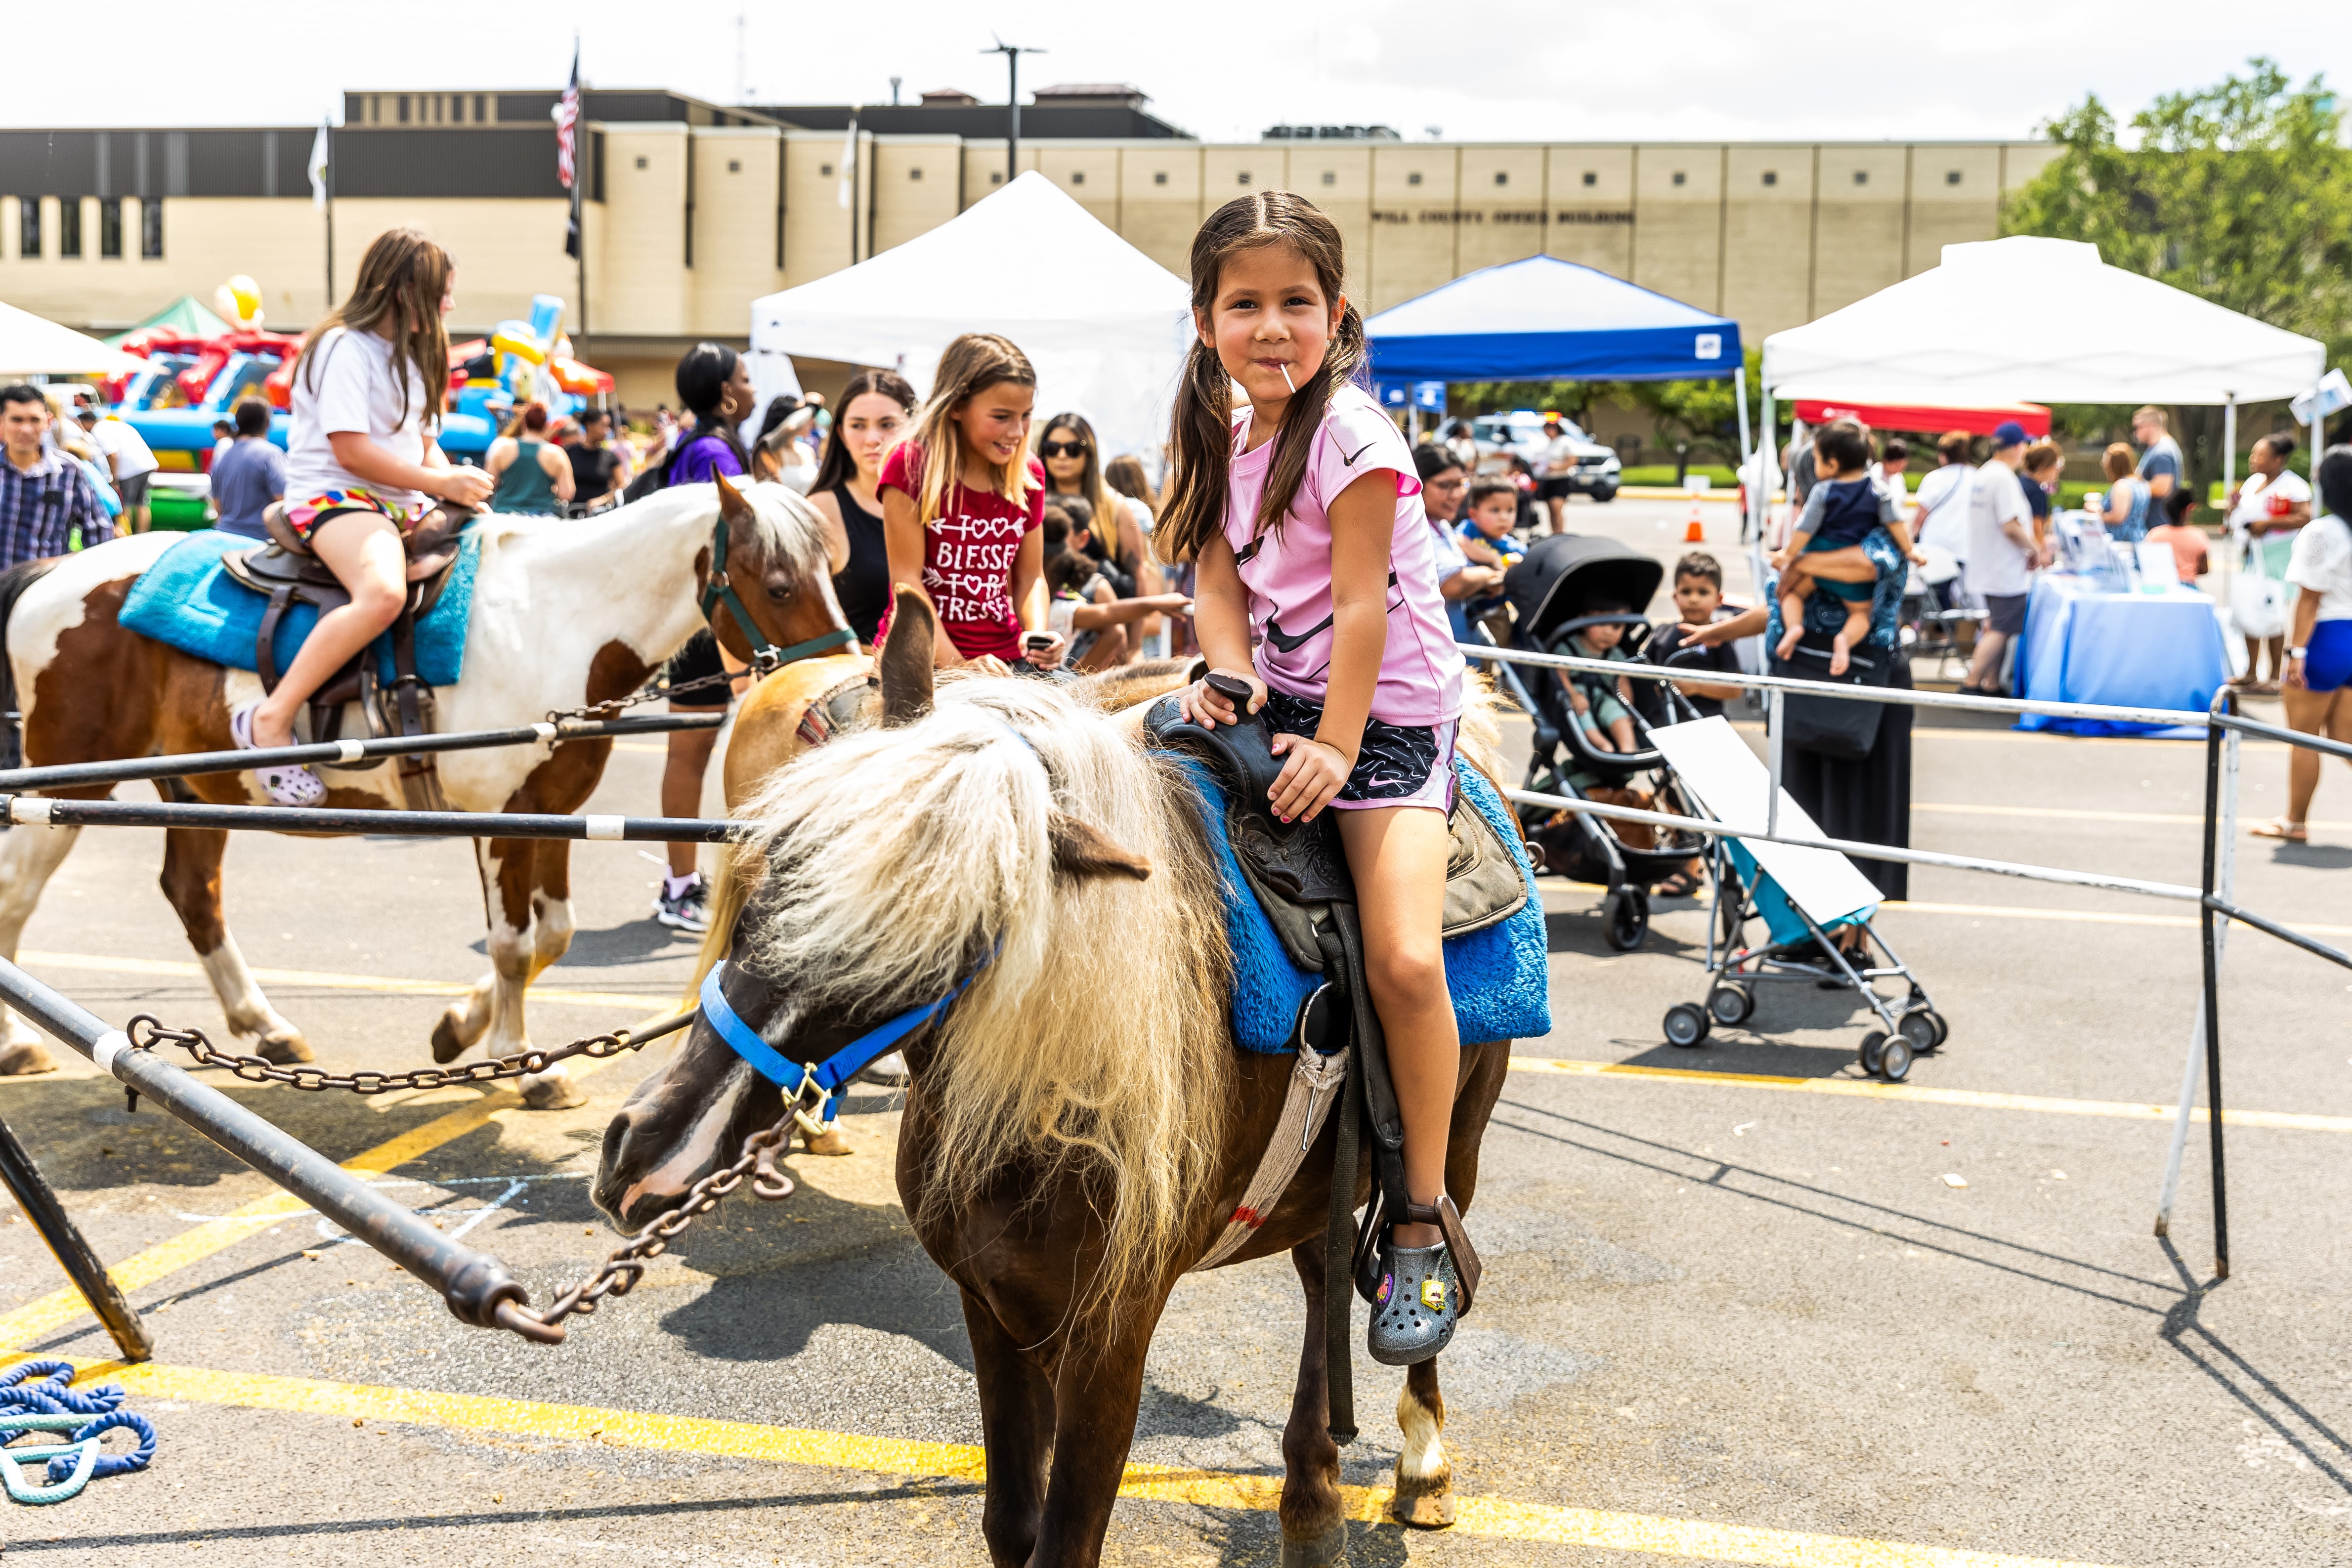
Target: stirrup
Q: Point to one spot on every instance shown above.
(1423, 1291)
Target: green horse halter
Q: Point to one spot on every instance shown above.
(766, 657)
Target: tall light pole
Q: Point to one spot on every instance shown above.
(1012, 53)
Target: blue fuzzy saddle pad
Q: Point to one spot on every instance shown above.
(189, 601)
(1500, 978)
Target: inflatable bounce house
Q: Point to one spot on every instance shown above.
(203, 363)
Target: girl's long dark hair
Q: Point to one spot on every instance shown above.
(397, 295)
(2334, 472)
(837, 467)
(1201, 434)
(703, 372)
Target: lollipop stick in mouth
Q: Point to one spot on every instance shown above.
(1285, 379)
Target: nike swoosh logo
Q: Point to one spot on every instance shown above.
(1351, 459)
(1290, 644)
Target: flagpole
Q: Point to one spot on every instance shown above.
(328, 129)
(581, 147)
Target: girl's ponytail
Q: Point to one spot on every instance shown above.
(1201, 439)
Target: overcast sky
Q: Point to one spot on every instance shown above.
(1648, 69)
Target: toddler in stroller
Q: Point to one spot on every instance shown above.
(1568, 596)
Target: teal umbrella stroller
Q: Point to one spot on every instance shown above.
(1807, 899)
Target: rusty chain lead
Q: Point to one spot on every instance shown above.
(625, 1264)
(146, 1034)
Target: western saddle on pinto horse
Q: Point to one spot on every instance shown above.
(286, 572)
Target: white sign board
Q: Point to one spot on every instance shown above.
(1733, 784)
(2332, 395)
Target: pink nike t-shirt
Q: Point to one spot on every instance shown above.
(1288, 571)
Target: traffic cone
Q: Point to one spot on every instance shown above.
(1693, 534)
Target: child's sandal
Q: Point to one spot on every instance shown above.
(285, 786)
(1423, 1291)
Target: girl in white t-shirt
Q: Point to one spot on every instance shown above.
(361, 468)
(1302, 512)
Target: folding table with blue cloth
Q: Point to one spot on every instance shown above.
(2087, 641)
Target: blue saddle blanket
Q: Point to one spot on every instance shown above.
(189, 601)
(1500, 978)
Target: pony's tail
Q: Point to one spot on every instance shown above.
(738, 873)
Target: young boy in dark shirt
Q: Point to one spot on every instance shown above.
(1699, 602)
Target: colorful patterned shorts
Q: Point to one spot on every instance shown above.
(1398, 765)
(302, 516)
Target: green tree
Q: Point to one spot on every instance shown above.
(2239, 193)
(1705, 413)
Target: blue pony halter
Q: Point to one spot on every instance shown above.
(828, 1076)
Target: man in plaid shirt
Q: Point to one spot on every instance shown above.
(44, 495)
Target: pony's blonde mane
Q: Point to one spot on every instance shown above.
(901, 860)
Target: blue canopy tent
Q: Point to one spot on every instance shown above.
(1542, 319)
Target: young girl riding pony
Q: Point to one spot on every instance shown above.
(1302, 513)
(361, 468)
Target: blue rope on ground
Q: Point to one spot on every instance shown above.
(35, 1396)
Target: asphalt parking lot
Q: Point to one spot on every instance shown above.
(1740, 1304)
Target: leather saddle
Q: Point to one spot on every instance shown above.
(286, 572)
(1298, 869)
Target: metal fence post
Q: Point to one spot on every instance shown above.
(2213, 957)
(1777, 728)
(2192, 1071)
(74, 1254)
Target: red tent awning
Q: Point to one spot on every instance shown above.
(1977, 419)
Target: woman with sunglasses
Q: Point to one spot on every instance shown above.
(1074, 466)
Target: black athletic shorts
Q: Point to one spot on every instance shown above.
(1555, 487)
(699, 658)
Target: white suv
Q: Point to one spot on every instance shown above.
(1521, 432)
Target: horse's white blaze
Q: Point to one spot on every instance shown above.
(549, 598)
(697, 1152)
(248, 1010)
(1423, 1455)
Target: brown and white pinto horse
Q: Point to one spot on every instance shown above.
(565, 614)
(1081, 1125)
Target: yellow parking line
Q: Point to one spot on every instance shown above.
(181, 968)
(1492, 1517)
(48, 1314)
(1920, 1094)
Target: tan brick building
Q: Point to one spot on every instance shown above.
(693, 210)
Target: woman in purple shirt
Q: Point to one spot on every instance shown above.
(715, 385)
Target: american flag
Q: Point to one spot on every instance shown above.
(567, 121)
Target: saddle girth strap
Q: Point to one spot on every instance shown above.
(1315, 1080)
(265, 641)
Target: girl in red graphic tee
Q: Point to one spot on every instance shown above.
(963, 502)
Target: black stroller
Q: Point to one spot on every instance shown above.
(1549, 591)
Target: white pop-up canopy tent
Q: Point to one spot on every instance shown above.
(33, 345)
(2040, 318)
(1106, 325)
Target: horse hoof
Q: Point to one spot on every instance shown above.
(1329, 1550)
(446, 1046)
(24, 1058)
(285, 1050)
(829, 1142)
(1425, 1503)
(552, 1091)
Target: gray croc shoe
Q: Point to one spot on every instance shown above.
(1423, 1291)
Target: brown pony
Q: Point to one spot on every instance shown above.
(565, 614)
(1081, 1124)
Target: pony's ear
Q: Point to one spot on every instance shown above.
(906, 660)
(732, 504)
(1082, 849)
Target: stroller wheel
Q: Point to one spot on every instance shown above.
(1628, 919)
(1873, 1047)
(1685, 1025)
(1923, 1028)
(1730, 1004)
(1894, 1060)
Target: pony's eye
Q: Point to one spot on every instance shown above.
(780, 591)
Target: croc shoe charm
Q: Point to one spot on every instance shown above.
(1423, 1291)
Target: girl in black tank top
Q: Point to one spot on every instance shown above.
(864, 585)
(873, 416)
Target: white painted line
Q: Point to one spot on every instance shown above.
(350, 750)
(107, 1047)
(30, 810)
(604, 827)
